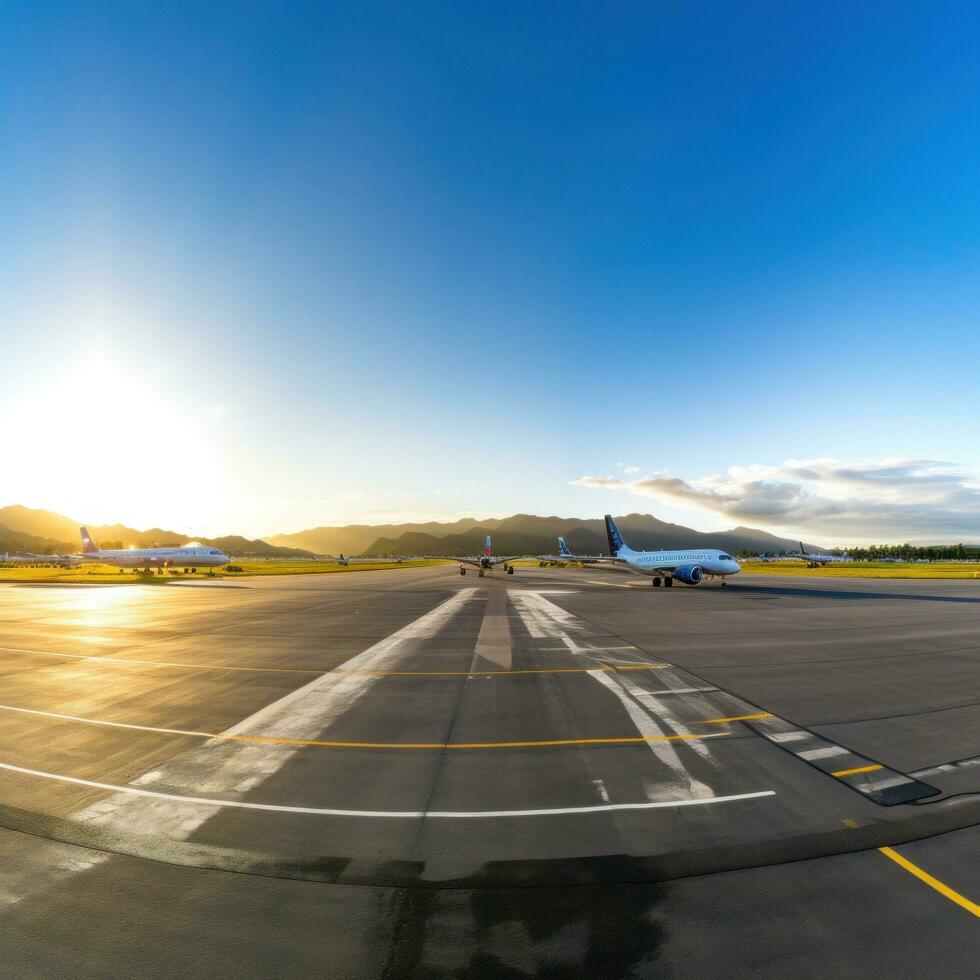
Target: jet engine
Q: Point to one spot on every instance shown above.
(688, 574)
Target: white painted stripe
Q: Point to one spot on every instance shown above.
(545, 619)
(234, 767)
(397, 814)
(676, 690)
(110, 724)
(888, 783)
(825, 753)
(787, 736)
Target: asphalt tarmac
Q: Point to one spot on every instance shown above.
(555, 773)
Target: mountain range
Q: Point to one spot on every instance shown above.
(43, 532)
(27, 529)
(524, 534)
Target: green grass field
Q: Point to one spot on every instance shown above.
(865, 569)
(107, 575)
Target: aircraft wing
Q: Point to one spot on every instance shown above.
(501, 560)
(584, 559)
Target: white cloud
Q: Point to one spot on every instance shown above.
(860, 501)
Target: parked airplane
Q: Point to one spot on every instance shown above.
(341, 560)
(688, 567)
(565, 553)
(149, 558)
(485, 562)
(814, 560)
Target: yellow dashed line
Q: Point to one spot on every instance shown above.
(945, 890)
(841, 773)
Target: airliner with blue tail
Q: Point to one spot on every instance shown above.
(689, 567)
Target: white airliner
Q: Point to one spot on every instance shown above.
(485, 562)
(689, 567)
(148, 558)
(815, 560)
(341, 560)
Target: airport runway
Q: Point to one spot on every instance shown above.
(560, 772)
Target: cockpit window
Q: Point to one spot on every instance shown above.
(214, 552)
(725, 558)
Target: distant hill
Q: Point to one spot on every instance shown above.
(527, 534)
(40, 531)
(355, 539)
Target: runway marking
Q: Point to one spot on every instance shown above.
(272, 740)
(493, 644)
(544, 619)
(934, 883)
(232, 768)
(403, 814)
(339, 671)
(826, 753)
(110, 724)
(841, 773)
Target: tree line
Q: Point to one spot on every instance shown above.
(902, 552)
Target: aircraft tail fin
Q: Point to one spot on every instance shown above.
(88, 545)
(802, 549)
(563, 548)
(616, 542)
(487, 547)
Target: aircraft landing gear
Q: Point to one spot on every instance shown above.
(481, 573)
(462, 571)
(655, 581)
(723, 583)
(510, 569)
(668, 581)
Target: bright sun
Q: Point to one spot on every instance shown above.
(104, 446)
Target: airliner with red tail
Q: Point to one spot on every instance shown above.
(149, 558)
(485, 562)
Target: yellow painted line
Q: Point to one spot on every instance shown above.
(627, 740)
(945, 890)
(723, 721)
(269, 740)
(642, 666)
(841, 773)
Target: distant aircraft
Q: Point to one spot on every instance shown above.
(688, 567)
(149, 558)
(485, 562)
(565, 554)
(814, 560)
(341, 560)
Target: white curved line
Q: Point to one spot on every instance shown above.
(403, 814)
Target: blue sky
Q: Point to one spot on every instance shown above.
(369, 262)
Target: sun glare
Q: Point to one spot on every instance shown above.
(103, 445)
